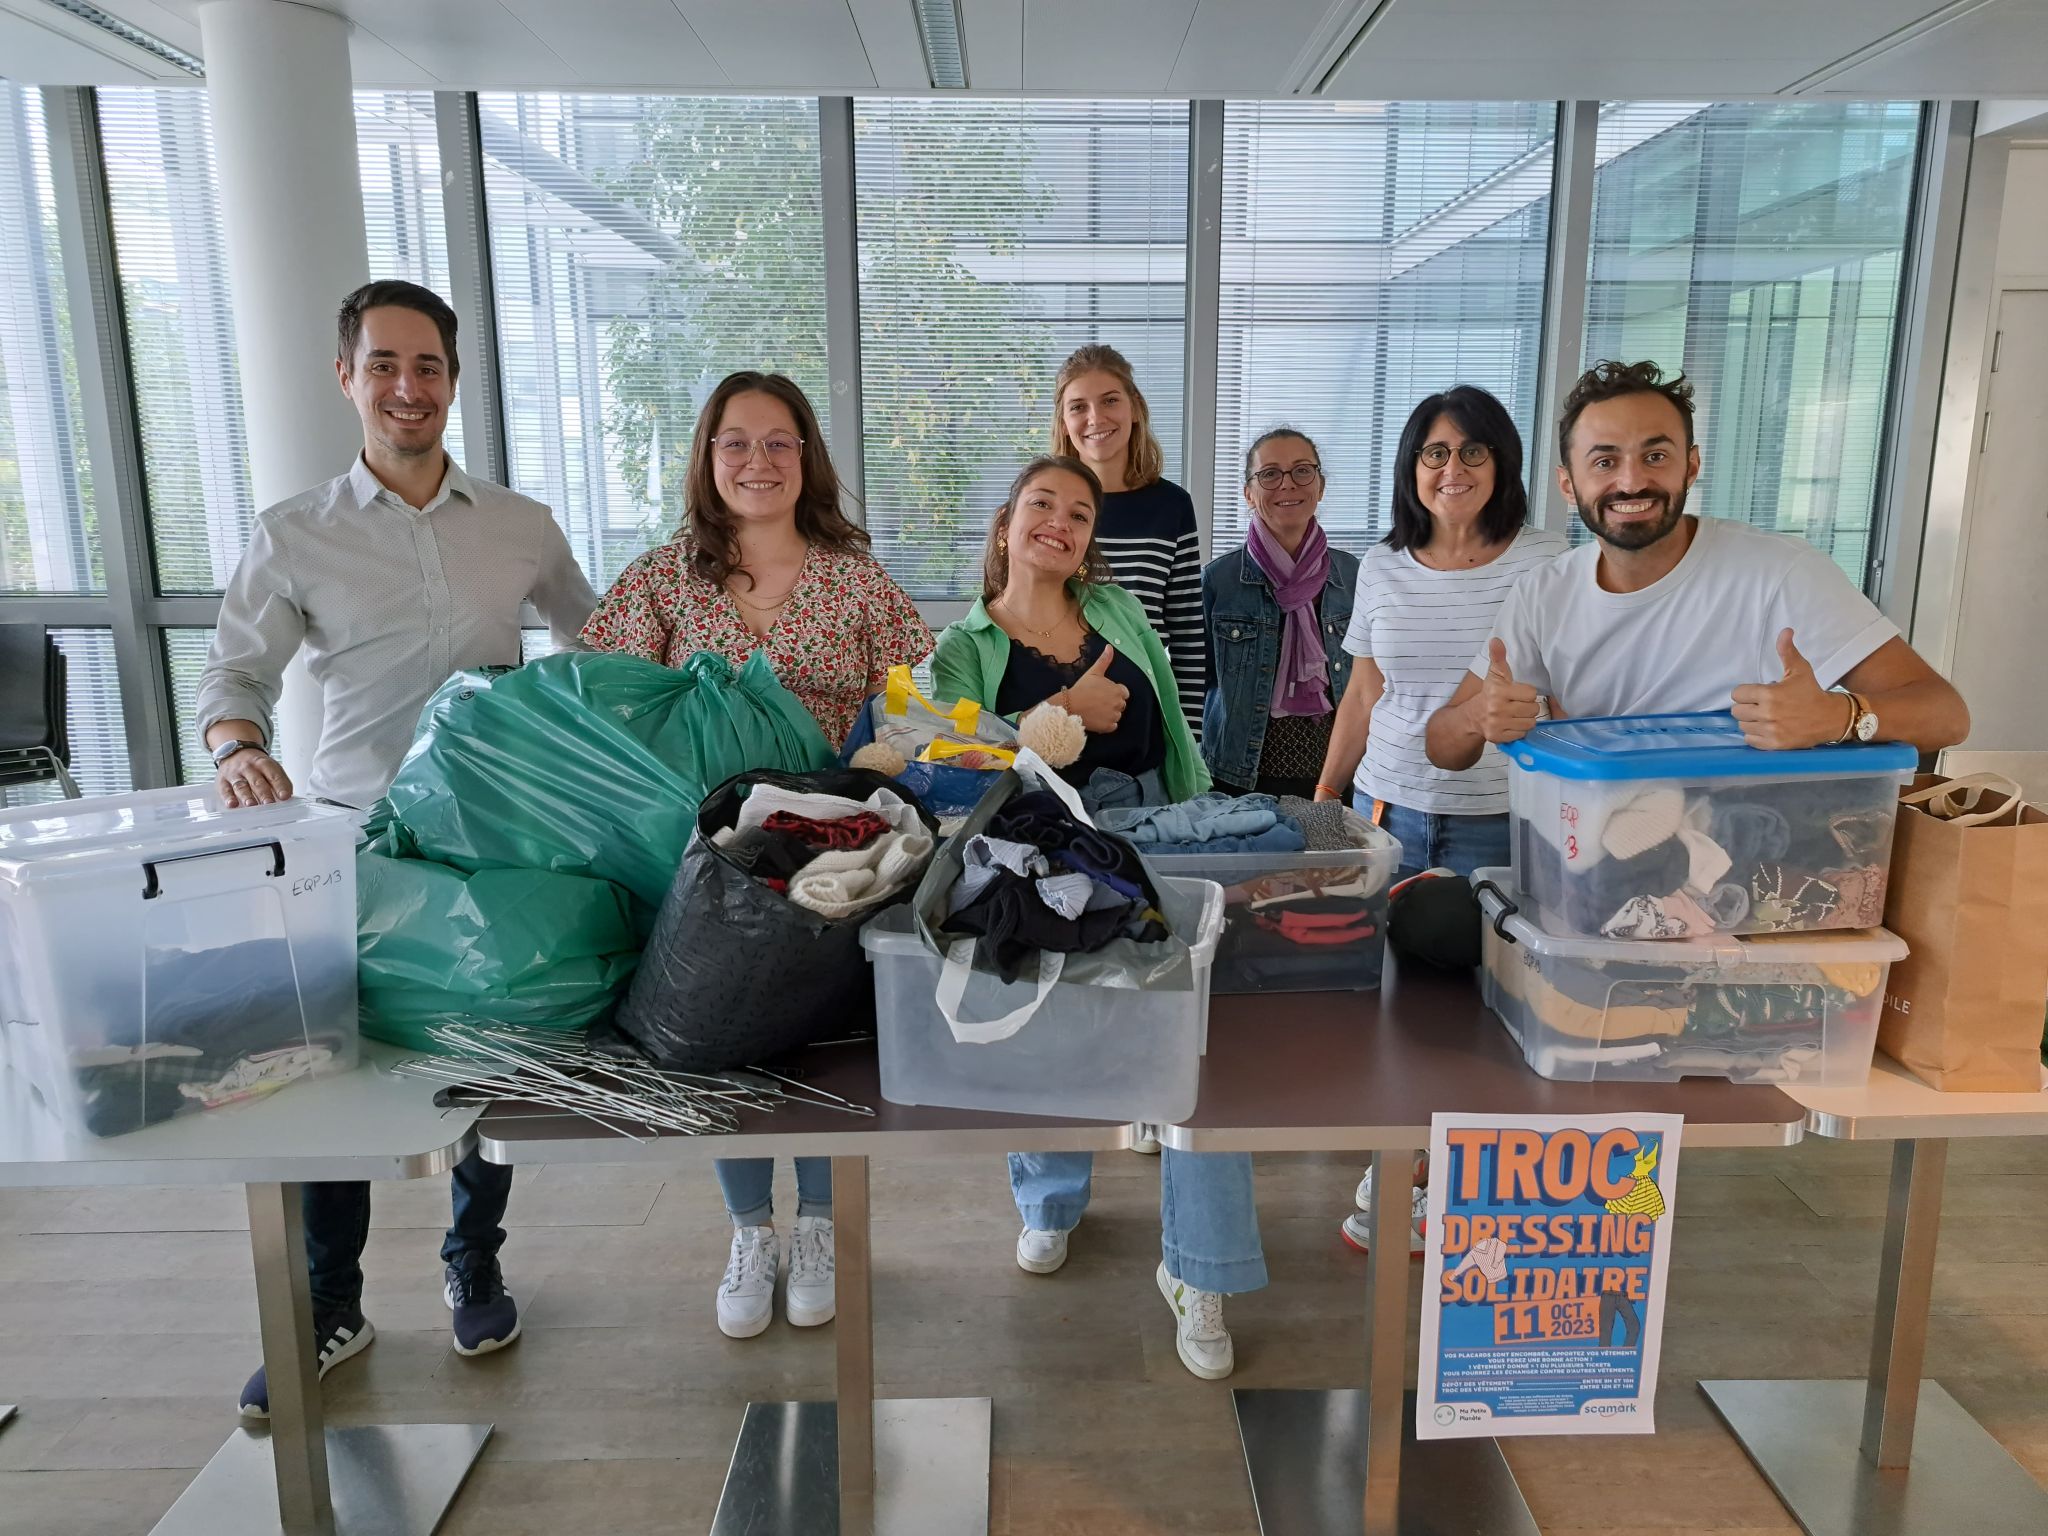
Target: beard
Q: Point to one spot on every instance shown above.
(1635, 535)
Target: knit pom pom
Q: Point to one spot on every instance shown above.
(1053, 734)
(883, 759)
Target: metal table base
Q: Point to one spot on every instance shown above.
(1841, 1454)
(384, 1480)
(1305, 1452)
(931, 1470)
(6, 1413)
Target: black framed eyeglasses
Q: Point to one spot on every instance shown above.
(1471, 455)
(1300, 474)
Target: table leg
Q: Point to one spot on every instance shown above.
(1386, 1345)
(367, 1480)
(1841, 1454)
(854, 1324)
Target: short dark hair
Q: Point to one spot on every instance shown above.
(1608, 380)
(393, 293)
(1483, 419)
(1272, 434)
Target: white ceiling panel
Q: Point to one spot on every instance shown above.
(888, 31)
(1610, 49)
(2000, 50)
(1127, 48)
(461, 43)
(1237, 49)
(374, 64)
(36, 52)
(622, 42)
(790, 45)
(992, 36)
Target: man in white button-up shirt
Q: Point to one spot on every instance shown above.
(391, 577)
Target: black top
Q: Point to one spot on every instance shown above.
(1137, 745)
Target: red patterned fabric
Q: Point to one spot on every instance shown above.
(845, 625)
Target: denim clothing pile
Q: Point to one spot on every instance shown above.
(1038, 880)
(1663, 861)
(1210, 823)
(235, 1031)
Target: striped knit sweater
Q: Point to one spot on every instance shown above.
(1149, 538)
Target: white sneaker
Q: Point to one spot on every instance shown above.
(1040, 1253)
(746, 1296)
(1357, 1230)
(1198, 1331)
(809, 1299)
(1144, 1142)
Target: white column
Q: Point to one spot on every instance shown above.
(284, 135)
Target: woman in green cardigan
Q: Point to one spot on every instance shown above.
(1051, 624)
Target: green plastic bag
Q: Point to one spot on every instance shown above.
(499, 946)
(592, 765)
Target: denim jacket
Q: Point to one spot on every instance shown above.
(1242, 621)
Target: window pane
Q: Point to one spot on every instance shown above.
(996, 237)
(1758, 247)
(1374, 253)
(185, 655)
(49, 535)
(400, 161)
(99, 736)
(181, 331)
(643, 248)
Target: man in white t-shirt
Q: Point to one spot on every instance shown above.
(1667, 612)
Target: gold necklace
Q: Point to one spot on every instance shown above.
(768, 607)
(1042, 634)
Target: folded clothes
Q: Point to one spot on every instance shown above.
(983, 857)
(845, 882)
(1014, 924)
(1279, 838)
(855, 831)
(1199, 824)
(764, 800)
(770, 857)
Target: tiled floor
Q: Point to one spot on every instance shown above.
(127, 1324)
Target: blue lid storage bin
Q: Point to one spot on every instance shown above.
(1772, 1008)
(1670, 826)
(1297, 922)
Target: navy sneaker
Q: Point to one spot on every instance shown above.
(340, 1335)
(486, 1318)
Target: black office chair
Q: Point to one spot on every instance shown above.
(35, 743)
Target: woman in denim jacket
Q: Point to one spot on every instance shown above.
(1274, 612)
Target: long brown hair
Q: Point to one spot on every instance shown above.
(995, 562)
(1144, 462)
(818, 517)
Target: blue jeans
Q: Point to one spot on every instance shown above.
(748, 1184)
(1208, 1221)
(1432, 840)
(338, 1225)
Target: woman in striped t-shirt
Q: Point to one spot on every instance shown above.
(1427, 596)
(1148, 523)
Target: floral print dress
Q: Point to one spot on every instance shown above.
(845, 625)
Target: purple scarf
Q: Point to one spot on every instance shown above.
(1301, 685)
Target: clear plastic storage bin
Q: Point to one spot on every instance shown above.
(1090, 1053)
(1670, 826)
(1797, 1008)
(1297, 922)
(160, 955)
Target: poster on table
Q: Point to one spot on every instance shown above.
(1549, 1243)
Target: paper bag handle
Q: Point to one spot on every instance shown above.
(1955, 800)
(953, 986)
(901, 688)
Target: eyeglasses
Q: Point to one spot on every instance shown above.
(1471, 455)
(735, 451)
(1301, 474)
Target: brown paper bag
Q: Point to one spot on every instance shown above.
(1969, 895)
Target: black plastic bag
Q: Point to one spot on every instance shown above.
(737, 973)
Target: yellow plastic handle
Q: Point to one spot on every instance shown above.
(941, 751)
(901, 689)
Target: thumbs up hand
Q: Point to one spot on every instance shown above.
(1507, 709)
(1793, 712)
(1097, 697)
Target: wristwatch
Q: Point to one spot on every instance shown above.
(228, 749)
(1862, 718)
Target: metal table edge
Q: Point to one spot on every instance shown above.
(602, 1146)
(281, 1168)
(1351, 1138)
(1938, 1127)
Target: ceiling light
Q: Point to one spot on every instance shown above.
(938, 26)
(132, 35)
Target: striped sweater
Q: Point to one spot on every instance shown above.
(1148, 537)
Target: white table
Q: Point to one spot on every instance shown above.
(374, 1480)
(1842, 1454)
